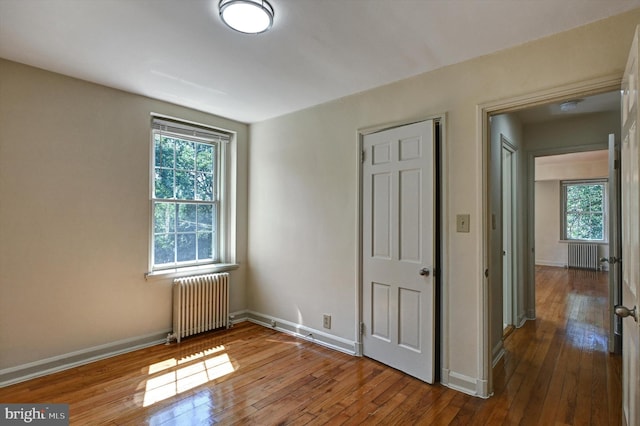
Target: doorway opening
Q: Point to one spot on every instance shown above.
(533, 130)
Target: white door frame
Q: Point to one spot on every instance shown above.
(484, 111)
(510, 292)
(615, 242)
(441, 335)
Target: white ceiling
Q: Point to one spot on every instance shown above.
(603, 102)
(317, 50)
(574, 157)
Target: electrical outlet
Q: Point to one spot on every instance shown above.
(326, 321)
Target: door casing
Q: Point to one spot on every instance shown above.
(485, 111)
(510, 224)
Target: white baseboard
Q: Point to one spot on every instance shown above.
(21, 373)
(522, 320)
(461, 383)
(239, 316)
(497, 353)
(24, 372)
(555, 263)
(531, 314)
(304, 332)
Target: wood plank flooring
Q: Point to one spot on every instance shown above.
(556, 371)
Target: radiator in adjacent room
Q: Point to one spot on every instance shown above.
(583, 256)
(200, 303)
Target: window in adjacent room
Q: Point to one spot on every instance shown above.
(187, 195)
(584, 206)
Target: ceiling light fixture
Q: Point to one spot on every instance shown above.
(246, 16)
(569, 105)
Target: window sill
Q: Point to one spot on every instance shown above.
(190, 270)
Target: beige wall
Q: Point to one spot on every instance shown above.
(583, 131)
(303, 232)
(74, 216)
(549, 250)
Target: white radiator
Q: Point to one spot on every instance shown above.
(200, 303)
(583, 256)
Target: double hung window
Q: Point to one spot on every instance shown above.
(584, 206)
(186, 194)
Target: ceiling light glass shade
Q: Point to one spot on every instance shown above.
(247, 16)
(568, 106)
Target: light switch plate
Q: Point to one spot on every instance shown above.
(462, 222)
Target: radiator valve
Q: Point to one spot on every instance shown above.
(170, 338)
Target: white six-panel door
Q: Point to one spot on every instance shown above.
(398, 248)
(630, 191)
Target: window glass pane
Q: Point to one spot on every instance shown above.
(164, 218)
(164, 248)
(186, 247)
(205, 217)
(164, 151)
(205, 245)
(185, 155)
(186, 217)
(574, 200)
(577, 229)
(214, 225)
(163, 183)
(571, 226)
(204, 186)
(596, 198)
(595, 226)
(584, 211)
(185, 185)
(204, 158)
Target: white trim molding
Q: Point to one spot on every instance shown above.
(554, 263)
(462, 383)
(497, 353)
(55, 364)
(301, 331)
(238, 317)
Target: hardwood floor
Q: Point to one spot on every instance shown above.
(556, 371)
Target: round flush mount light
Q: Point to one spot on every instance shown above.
(247, 16)
(569, 105)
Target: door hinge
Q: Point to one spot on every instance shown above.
(486, 273)
(362, 156)
(362, 328)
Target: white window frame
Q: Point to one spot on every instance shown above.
(225, 180)
(563, 209)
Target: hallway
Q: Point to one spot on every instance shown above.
(556, 369)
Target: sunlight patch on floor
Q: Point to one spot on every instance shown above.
(174, 376)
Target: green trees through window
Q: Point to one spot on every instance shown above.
(584, 207)
(184, 200)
